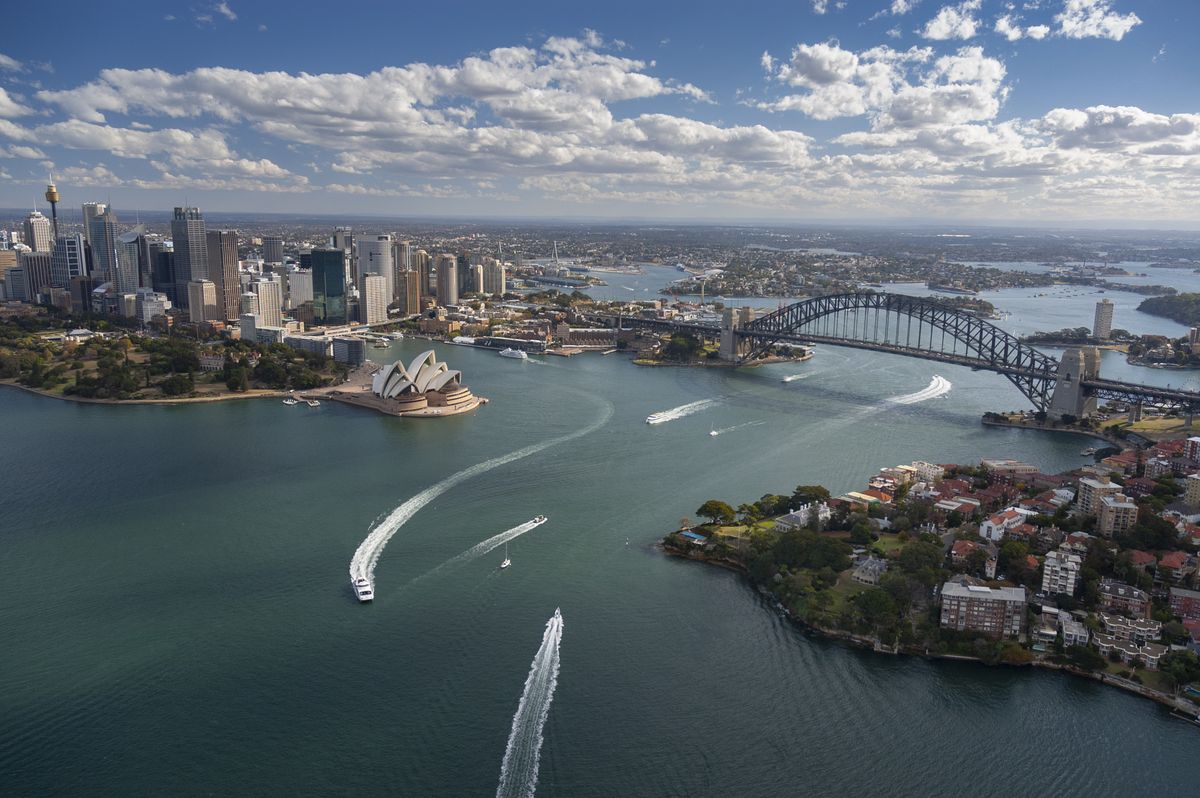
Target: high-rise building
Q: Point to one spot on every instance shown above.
(103, 237)
(270, 302)
(222, 259)
(300, 288)
(1102, 326)
(328, 286)
(375, 298)
(272, 249)
(202, 301)
(130, 246)
(1117, 515)
(402, 254)
(421, 262)
(69, 260)
(37, 232)
(494, 277)
(150, 304)
(90, 211)
(162, 268)
(374, 256)
(14, 284)
(447, 280)
(1060, 572)
(410, 301)
(191, 251)
(37, 269)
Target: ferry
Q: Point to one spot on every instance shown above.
(290, 401)
(363, 589)
(313, 403)
(515, 354)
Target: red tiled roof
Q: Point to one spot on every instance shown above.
(1173, 559)
(1141, 557)
(1031, 562)
(963, 548)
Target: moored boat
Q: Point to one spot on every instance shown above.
(515, 354)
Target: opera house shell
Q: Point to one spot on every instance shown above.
(424, 383)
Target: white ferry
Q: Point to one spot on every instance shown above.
(363, 589)
(515, 354)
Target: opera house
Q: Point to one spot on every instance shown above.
(424, 387)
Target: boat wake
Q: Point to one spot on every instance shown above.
(627, 288)
(938, 386)
(489, 545)
(368, 552)
(794, 377)
(679, 412)
(519, 771)
(722, 431)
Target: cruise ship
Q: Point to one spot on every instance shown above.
(515, 354)
(363, 589)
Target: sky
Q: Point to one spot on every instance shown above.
(982, 111)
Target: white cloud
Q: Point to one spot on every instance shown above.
(21, 151)
(1085, 19)
(820, 6)
(1010, 28)
(953, 22)
(900, 7)
(11, 106)
(224, 10)
(1037, 31)
(10, 64)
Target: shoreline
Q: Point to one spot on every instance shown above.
(1101, 435)
(875, 645)
(179, 400)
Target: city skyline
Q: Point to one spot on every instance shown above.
(886, 111)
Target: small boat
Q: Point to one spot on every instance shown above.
(655, 418)
(313, 403)
(379, 345)
(540, 519)
(1088, 452)
(507, 562)
(515, 354)
(363, 589)
(713, 432)
(290, 401)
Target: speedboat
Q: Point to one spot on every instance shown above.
(313, 403)
(713, 433)
(655, 418)
(290, 401)
(515, 354)
(540, 519)
(363, 589)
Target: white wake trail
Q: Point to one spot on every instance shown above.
(519, 770)
(368, 552)
(738, 426)
(794, 377)
(938, 386)
(679, 412)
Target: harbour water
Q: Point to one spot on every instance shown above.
(177, 618)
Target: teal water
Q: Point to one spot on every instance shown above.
(177, 619)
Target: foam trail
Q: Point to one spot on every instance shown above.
(627, 288)
(738, 426)
(491, 544)
(938, 386)
(519, 770)
(794, 377)
(679, 412)
(367, 555)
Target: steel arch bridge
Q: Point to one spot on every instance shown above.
(906, 325)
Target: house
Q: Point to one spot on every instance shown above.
(1157, 467)
(1141, 559)
(1078, 542)
(961, 551)
(1139, 486)
(1120, 597)
(1185, 604)
(869, 571)
(1174, 566)
(996, 525)
(1054, 621)
(1124, 462)
(1139, 630)
(799, 519)
(1149, 654)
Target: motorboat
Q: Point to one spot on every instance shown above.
(540, 519)
(290, 401)
(713, 433)
(363, 589)
(515, 354)
(1088, 452)
(656, 418)
(313, 403)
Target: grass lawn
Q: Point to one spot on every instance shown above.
(889, 544)
(1160, 428)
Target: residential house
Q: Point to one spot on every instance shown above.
(869, 571)
(1185, 604)
(996, 525)
(1175, 566)
(1120, 597)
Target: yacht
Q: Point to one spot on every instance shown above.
(515, 354)
(290, 401)
(363, 589)
(313, 403)
(507, 562)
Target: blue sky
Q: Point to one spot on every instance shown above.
(862, 110)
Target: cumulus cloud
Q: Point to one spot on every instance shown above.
(820, 6)
(10, 105)
(224, 10)
(953, 22)
(1085, 19)
(10, 64)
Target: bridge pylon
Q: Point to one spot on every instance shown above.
(734, 347)
(1074, 367)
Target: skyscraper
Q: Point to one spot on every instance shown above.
(270, 302)
(447, 280)
(329, 286)
(1102, 325)
(494, 277)
(375, 298)
(202, 301)
(90, 211)
(421, 263)
(374, 256)
(104, 248)
(272, 249)
(162, 269)
(36, 266)
(222, 259)
(69, 260)
(128, 261)
(37, 232)
(300, 288)
(410, 301)
(191, 251)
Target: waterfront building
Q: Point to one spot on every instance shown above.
(352, 351)
(447, 280)
(270, 302)
(272, 250)
(1092, 490)
(801, 517)
(202, 301)
(425, 387)
(375, 296)
(1117, 515)
(374, 256)
(90, 211)
(151, 303)
(995, 526)
(1102, 324)
(329, 287)
(37, 269)
(1060, 572)
(1185, 604)
(870, 571)
(991, 611)
(929, 473)
(313, 344)
(222, 257)
(410, 300)
(36, 229)
(191, 250)
(1120, 597)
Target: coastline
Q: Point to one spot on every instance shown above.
(1101, 435)
(179, 400)
(875, 645)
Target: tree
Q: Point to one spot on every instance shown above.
(716, 511)
(806, 494)
(1180, 667)
(876, 607)
(917, 556)
(177, 384)
(1084, 657)
(748, 513)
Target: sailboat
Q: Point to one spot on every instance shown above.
(507, 562)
